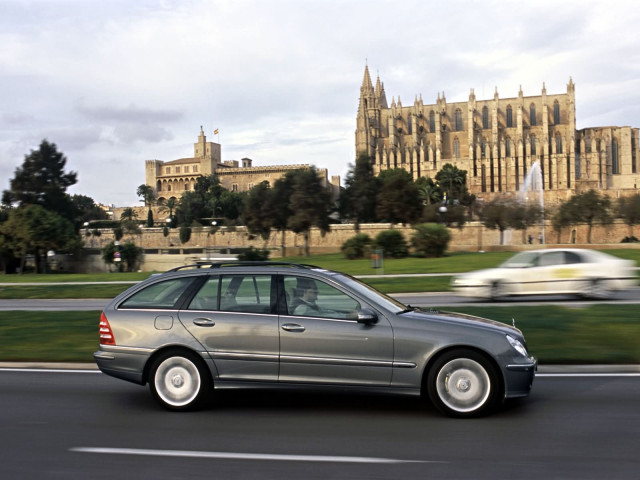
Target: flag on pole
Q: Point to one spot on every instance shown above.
(216, 131)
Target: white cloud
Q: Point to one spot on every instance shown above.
(115, 83)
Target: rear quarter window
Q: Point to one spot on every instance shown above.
(161, 295)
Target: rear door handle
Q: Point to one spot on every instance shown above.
(204, 322)
(292, 327)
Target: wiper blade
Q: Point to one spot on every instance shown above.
(407, 310)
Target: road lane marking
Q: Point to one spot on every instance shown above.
(243, 456)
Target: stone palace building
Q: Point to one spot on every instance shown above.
(497, 141)
(173, 178)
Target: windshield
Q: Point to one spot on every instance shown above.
(368, 291)
(524, 259)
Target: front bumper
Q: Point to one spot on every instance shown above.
(519, 378)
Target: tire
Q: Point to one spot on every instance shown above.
(496, 291)
(463, 383)
(180, 381)
(598, 289)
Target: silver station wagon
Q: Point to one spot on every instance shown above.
(195, 329)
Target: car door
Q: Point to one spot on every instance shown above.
(234, 317)
(325, 343)
(550, 273)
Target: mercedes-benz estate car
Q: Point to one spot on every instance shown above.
(573, 271)
(191, 331)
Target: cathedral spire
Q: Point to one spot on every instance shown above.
(366, 81)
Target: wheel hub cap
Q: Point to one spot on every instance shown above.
(463, 384)
(177, 381)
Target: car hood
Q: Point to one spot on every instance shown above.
(461, 319)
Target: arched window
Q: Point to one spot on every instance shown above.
(483, 148)
(458, 120)
(556, 113)
(485, 117)
(615, 166)
(432, 121)
(456, 148)
(186, 187)
(509, 116)
(532, 115)
(532, 143)
(168, 187)
(558, 144)
(507, 147)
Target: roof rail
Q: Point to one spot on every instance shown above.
(236, 263)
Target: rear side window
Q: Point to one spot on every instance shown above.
(207, 296)
(235, 293)
(162, 295)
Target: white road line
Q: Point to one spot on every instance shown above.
(243, 456)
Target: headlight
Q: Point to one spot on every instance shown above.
(517, 345)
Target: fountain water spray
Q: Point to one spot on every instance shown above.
(533, 183)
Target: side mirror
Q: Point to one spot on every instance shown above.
(367, 316)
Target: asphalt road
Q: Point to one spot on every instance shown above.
(441, 299)
(90, 426)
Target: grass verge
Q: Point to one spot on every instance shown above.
(602, 334)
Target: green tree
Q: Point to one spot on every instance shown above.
(168, 205)
(256, 211)
(430, 239)
(148, 195)
(86, 210)
(398, 199)
(358, 199)
(279, 206)
(588, 207)
(628, 209)
(495, 215)
(453, 181)
(34, 230)
(41, 180)
(521, 216)
(310, 203)
(428, 191)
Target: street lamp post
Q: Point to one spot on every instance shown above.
(443, 213)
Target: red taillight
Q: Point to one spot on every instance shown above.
(106, 335)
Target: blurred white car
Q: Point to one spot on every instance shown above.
(588, 273)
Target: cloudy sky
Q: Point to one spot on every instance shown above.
(115, 82)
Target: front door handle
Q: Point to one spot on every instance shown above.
(292, 327)
(204, 322)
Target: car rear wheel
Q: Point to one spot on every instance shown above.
(463, 383)
(179, 381)
(599, 288)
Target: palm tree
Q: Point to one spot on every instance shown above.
(168, 205)
(451, 176)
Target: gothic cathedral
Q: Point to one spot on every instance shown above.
(497, 141)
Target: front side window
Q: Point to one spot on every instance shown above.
(161, 295)
(246, 293)
(307, 297)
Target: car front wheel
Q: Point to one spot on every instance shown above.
(179, 381)
(463, 383)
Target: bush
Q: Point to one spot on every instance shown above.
(430, 239)
(357, 246)
(631, 239)
(185, 234)
(393, 243)
(254, 255)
